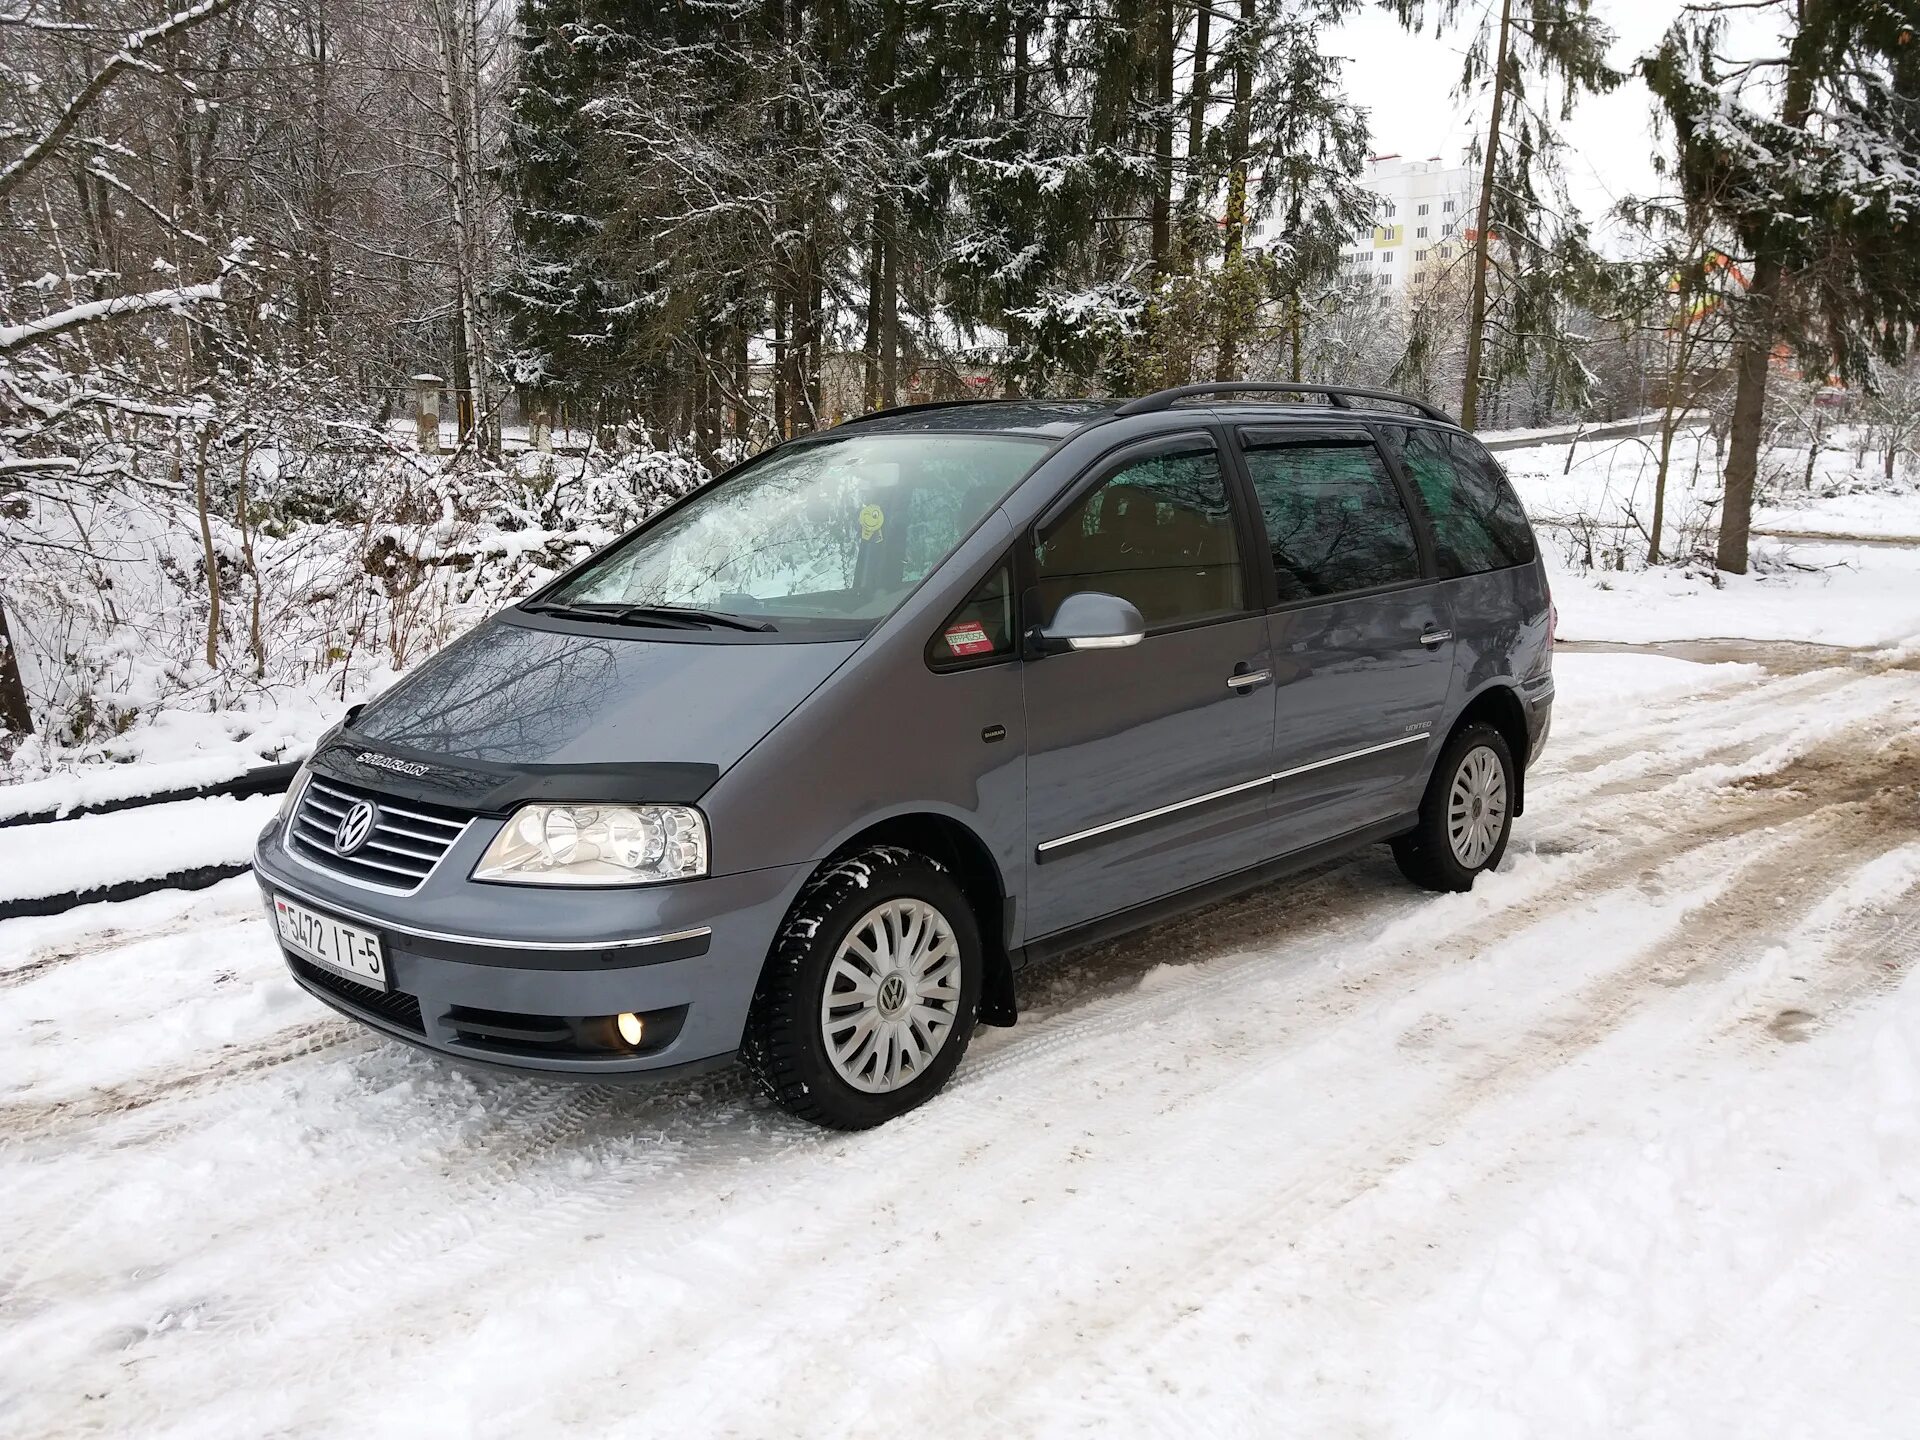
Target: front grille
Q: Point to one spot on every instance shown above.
(394, 1006)
(400, 851)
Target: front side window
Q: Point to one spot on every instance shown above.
(834, 530)
(1157, 532)
(981, 629)
(1478, 524)
(1334, 519)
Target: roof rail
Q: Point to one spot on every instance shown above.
(922, 405)
(1336, 395)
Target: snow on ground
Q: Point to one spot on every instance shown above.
(90, 851)
(177, 750)
(1801, 588)
(1624, 1142)
(1868, 515)
(1847, 595)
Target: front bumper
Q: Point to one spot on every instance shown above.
(520, 983)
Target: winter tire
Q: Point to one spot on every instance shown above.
(1466, 815)
(869, 995)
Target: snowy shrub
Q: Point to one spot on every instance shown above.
(329, 568)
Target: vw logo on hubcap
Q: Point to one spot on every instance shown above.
(354, 827)
(893, 994)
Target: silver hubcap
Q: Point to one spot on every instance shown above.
(892, 993)
(1477, 807)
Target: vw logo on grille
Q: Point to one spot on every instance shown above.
(354, 827)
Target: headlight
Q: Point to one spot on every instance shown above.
(597, 845)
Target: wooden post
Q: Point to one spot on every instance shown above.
(426, 411)
(16, 717)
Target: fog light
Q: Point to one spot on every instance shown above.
(629, 1027)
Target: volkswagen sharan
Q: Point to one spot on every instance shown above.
(808, 767)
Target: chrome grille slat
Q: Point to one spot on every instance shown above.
(401, 810)
(361, 857)
(407, 850)
(395, 857)
(392, 829)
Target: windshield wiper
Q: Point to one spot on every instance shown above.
(560, 607)
(672, 616)
(644, 614)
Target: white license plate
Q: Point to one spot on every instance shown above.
(353, 952)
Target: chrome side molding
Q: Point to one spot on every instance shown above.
(1046, 847)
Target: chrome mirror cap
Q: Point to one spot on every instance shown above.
(1092, 620)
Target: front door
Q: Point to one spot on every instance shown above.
(1147, 767)
(1362, 644)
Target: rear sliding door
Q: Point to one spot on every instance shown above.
(1361, 639)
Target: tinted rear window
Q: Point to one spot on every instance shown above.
(1334, 518)
(1478, 524)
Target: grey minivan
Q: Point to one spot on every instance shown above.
(805, 769)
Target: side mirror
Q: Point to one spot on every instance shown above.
(1091, 620)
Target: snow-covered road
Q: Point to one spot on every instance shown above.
(1625, 1142)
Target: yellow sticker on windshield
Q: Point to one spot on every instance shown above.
(872, 518)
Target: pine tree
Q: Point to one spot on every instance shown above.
(565, 328)
(1523, 253)
(1806, 155)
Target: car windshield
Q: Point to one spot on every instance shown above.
(837, 529)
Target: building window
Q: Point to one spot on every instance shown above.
(1446, 252)
(1386, 257)
(1423, 210)
(1419, 257)
(1421, 233)
(1448, 207)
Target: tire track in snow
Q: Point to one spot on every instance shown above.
(1362, 1151)
(1713, 937)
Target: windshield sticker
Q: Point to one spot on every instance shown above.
(969, 637)
(872, 519)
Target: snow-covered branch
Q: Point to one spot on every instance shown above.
(130, 56)
(178, 297)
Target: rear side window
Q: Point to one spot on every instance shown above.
(1158, 532)
(1334, 518)
(1478, 524)
(980, 630)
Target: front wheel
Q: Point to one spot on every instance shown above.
(1466, 815)
(869, 996)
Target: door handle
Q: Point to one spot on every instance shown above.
(1436, 637)
(1244, 679)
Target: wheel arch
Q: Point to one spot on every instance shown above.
(1498, 704)
(956, 846)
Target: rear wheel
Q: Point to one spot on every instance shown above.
(1466, 815)
(868, 999)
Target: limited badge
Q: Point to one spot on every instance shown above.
(969, 637)
(872, 520)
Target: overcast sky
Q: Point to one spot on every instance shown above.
(1406, 83)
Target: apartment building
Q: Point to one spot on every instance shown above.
(1426, 210)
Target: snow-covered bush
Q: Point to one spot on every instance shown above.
(325, 567)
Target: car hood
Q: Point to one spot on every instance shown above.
(516, 694)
